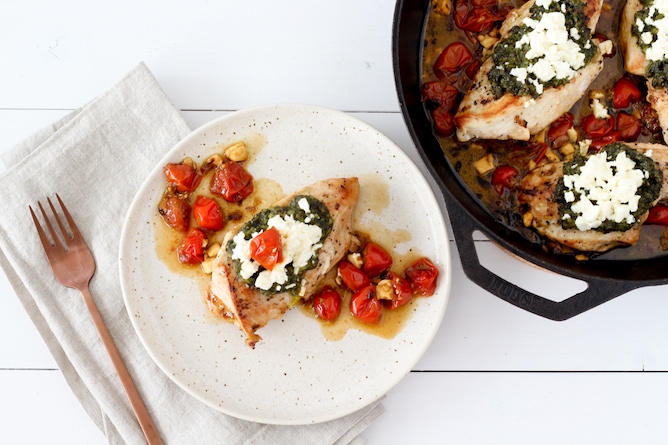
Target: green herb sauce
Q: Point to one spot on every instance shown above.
(318, 215)
(648, 191)
(657, 70)
(506, 56)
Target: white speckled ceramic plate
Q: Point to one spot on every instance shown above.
(294, 375)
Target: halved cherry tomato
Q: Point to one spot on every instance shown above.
(557, 133)
(232, 182)
(267, 249)
(327, 303)
(207, 213)
(477, 16)
(403, 291)
(598, 143)
(375, 259)
(629, 126)
(658, 215)
(504, 176)
(454, 58)
(365, 306)
(422, 275)
(352, 277)
(625, 91)
(191, 250)
(594, 127)
(182, 176)
(175, 211)
(442, 93)
(444, 122)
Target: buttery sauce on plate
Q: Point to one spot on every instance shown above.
(374, 199)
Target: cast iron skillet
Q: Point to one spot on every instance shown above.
(606, 279)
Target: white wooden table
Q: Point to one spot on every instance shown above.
(494, 374)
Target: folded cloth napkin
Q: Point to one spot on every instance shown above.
(95, 159)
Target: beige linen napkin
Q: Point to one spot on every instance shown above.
(96, 158)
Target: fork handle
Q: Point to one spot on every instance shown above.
(144, 419)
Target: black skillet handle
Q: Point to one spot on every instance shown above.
(598, 291)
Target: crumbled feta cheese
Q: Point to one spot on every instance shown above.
(600, 111)
(606, 47)
(658, 49)
(551, 48)
(299, 242)
(607, 191)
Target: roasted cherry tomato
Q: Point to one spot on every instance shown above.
(454, 58)
(473, 68)
(625, 91)
(375, 260)
(477, 15)
(444, 94)
(191, 250)
(658, 215)
(557, 133)
(175, 211)
(352, 277)
(422, 275)
(444, 122)
(183, 177)
(365, 306)
(267, 249)
(598, 143)
(327, 304)
(594, 127)
(232, 182)
(629, 126)
(403, 291)
(504, 176)
(207, 213)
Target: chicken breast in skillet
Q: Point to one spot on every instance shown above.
(543, 64)
(314, 227)
(648, 58)
(539, 192)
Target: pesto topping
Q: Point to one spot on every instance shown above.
(545, 50)
(608, 191)
(304, 224)
(651, 29)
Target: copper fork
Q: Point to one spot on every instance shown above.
(74, 266)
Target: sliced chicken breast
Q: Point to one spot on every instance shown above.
(537, 191)
(247, 306)
(481, 115)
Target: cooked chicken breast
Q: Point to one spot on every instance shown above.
(248, 308)
(482, 116)
(537, 191)
(635, 62)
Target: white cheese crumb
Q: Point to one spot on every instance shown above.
(606, 47)
(607, 191)
(600, 110)
(299, 242)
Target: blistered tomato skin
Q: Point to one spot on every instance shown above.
(191, 250)
(183, 177)
(175, 211)
(403, 291)
(365, 306)
(232, 182)
(327, 304)
(207, 213)
(658, 215)
(375, 260)
(352, 277)
(422, 275)
(266, 248)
